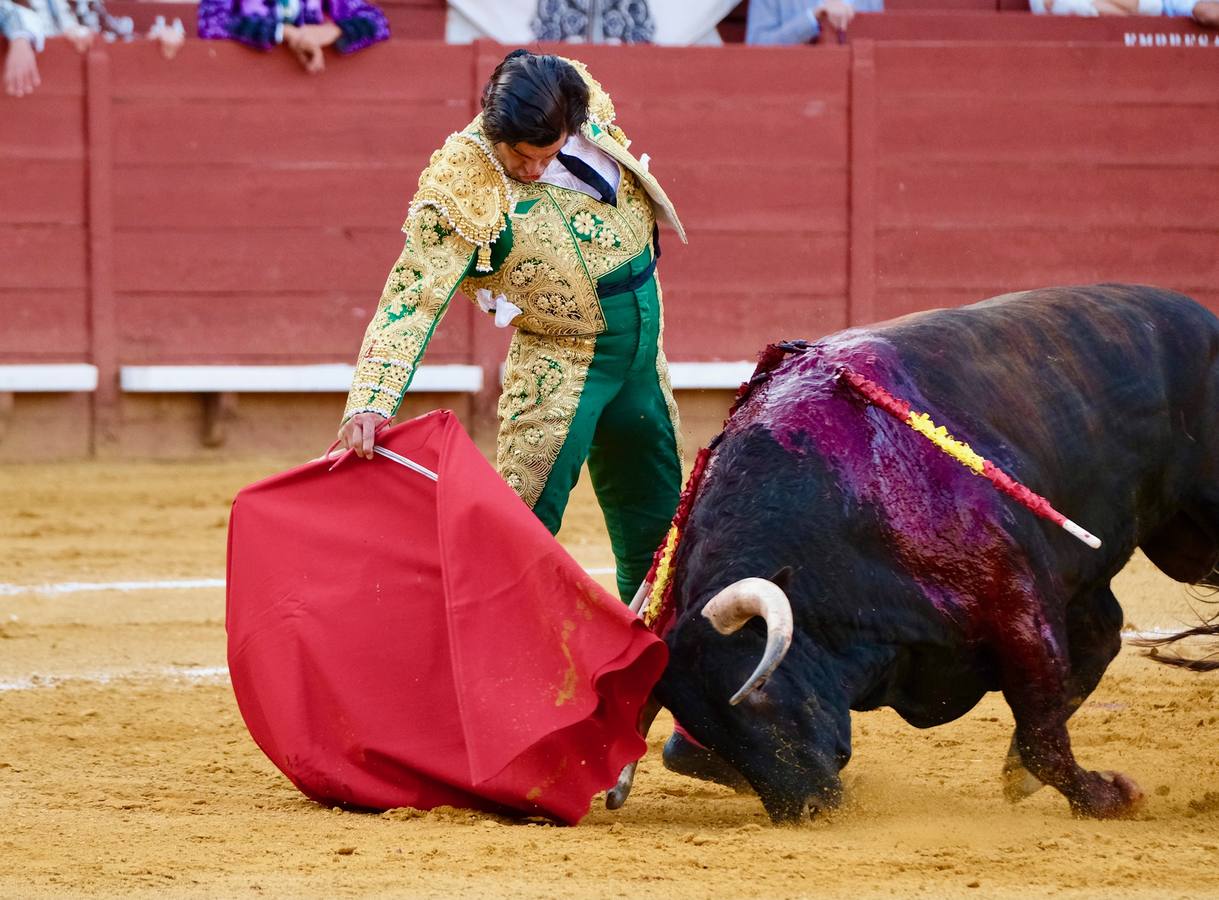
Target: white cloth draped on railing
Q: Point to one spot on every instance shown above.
(583, 21)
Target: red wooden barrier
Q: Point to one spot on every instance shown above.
(1020, 25)
(224, 208)
(1004, 167)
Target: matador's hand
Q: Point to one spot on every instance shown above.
(359, 433)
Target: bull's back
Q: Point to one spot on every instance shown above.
(1101, 363)
(1104, 397)
(1051, 340)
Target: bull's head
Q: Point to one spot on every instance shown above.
(779, 726)
(748, 676)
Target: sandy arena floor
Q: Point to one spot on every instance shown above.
(125, 769)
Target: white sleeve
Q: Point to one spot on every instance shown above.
(1179, 7)
(16, 21)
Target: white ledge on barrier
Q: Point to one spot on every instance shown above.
(699, 376)
(689, 376)
(49, 378)
(324, 378)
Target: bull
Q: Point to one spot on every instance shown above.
(834, 560)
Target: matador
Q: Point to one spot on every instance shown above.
(539, 212)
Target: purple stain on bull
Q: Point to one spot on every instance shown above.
(912, 584)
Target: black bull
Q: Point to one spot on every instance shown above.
(914, 583)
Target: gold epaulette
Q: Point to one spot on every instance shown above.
(468, 186)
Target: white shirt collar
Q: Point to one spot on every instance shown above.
(579, 146)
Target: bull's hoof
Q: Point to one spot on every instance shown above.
(1112, 795)
(616, 796)
(1018, 782)
(689, 759)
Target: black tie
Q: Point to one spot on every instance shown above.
(589, 176)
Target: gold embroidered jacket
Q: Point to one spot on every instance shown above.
(470, 226)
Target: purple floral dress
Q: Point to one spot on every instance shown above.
(259, 23)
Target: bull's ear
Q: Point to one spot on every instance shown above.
(783, 578)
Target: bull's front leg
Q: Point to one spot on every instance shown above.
(1094, 634)
(616, 796)
(1037, 683)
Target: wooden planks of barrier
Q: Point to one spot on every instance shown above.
(250, 214)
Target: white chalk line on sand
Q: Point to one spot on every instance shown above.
(215, 674)
(82, 587)
(184, 674)
(211, 675)
(180, 584)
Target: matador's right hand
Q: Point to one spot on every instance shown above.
(359, 433)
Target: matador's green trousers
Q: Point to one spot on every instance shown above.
(624, 429)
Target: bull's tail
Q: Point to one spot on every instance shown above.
(1207, 663)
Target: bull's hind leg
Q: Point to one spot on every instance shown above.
(1095, 639)
(1040, 684)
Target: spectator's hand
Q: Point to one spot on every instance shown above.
(305, 47)
(20, 68)
(80, 37)
(170, 37)
(837, 13)
(359, 433)
(311, 58)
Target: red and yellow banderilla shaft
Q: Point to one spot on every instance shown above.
(964, 454)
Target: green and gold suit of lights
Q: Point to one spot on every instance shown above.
(586, 377)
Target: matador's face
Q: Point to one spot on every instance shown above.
(526, 162)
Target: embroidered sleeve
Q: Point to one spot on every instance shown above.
(218, 20)
(362, 24)
(433, 262)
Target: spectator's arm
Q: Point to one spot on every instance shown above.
(1206, 12)
(19, 23)
(782, 22)
(219, 20)
(362, 24)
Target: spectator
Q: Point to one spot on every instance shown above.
(90, 18)
(58, 20)
(25, 36)
(581, 22)
(1205, 12)
(305, 27)
(801, 21)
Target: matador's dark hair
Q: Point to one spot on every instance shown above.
(533, 99)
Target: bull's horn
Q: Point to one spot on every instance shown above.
(640, 600)
(736, 604)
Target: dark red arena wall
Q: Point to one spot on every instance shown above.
(223, 208)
